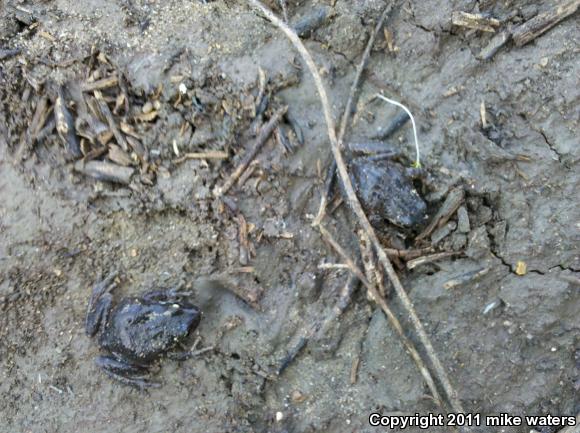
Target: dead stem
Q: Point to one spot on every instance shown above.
(263, 136)
(357, 209)
(349, 103)
(376, 296)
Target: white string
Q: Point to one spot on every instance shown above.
(398, 104)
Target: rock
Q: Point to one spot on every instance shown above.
(463, 220)
(442, 232)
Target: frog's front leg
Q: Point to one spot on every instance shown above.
(99, 305)
(126, 372)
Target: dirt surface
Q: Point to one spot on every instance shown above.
(509, 342)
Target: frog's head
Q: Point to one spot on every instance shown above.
(411, 211)
(181, 318)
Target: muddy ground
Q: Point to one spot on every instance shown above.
(508, 339)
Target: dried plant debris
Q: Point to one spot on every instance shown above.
(475, 21)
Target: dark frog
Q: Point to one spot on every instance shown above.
(138, 330)
(386, 190)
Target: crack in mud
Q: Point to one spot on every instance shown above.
(550, 145)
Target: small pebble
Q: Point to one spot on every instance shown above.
(279, 416)
(297, 397)
(463, 220)
(147, 108)
(441, 233)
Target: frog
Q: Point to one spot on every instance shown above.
(138, 330)
(384, 186)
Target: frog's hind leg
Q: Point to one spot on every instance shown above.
(125, 372)
(99, 304)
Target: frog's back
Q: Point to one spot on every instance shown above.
(387, 193)
(142, 331)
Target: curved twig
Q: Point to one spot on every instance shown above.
(357, 209)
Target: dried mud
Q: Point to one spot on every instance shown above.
(510, 342)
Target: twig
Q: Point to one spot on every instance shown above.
(368, 259)
(348, 110)
(543, 22)
(357, 209)
(396, 124)
(105, 171)
(448, 208)
(260, 141)
(474, 21)
(202, 350)
(412, 264)
(103, 83)
(341, 305)
(210, 154)
(7, 53)
(376, 296)
(333, 266)
(354, 369)
(284, 8)
(359, 71)
(106, 111)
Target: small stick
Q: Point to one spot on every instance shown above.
(7, 53)
(103, 83)
(348, 111)
(412, 264)
(543, 22)
(202, 350)
(465, 278)
(448, 208)
(494, 45)
(333, 266)
(397, 123)
(368, 258)
(105, 171)
(359, 212)
(210, 154)
(341, 305)
(284, 8)
(38, 119)
(359, 71)
(474, 21)
(263, 136)
(292, 353)
(65, 125)
(354, 369)
(104, 108)
(375, 295)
